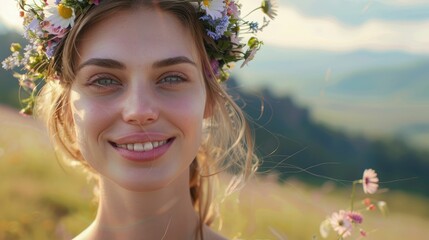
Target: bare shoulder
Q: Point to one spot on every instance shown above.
(209, 234)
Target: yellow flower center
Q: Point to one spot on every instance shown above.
(206, 3)
(64, 11)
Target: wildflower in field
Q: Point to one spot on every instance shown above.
(269, 8)
(370, 181)
(383, 207)
(367, 202)
(325, 228)
(341, 223)
(355, 217)
(362, 232)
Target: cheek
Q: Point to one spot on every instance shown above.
(188, 111)
(89, 120)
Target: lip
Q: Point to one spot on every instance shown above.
(138, 156)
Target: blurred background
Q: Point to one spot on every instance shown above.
(339, 86)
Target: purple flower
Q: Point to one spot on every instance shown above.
(50, 49)
(220, 26)
(355, 217)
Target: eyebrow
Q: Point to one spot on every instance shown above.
(110, 63)
(102, 62)
(173, 61)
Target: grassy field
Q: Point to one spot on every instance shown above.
(41, 198)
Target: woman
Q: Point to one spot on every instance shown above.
(133, 94)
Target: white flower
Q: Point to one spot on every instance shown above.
(269, 8)
(213, 8)
(370, 181)
(341, 223)
(59, 16)
(325, 228)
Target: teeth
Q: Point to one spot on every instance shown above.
(138, 147)
(142, 147)
(148, 146)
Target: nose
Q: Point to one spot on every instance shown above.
(140, 108)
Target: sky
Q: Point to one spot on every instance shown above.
(313, 45)
(332, 25)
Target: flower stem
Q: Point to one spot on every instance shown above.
(252, 11)
(352, 197)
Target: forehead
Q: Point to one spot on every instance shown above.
(139, 35)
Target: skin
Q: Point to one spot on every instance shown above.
(139, 75)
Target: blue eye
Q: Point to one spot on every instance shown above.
(172, 79)
(105, 82)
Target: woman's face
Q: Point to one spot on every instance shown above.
(138, 100)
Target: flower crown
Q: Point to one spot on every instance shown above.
(47, 23)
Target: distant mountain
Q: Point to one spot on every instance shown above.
(374, 93)
(289, 141)
(305, 72)
(410, 81)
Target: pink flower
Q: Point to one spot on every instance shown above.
(341, 223)
(355, 217)
(362, 233)
(370, 181)
(233, 9)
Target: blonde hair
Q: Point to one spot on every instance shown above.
(227, 144)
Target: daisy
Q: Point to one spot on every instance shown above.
(370, 181)
(341, 223)
(60, 16)
(213, 8)
(269, 8)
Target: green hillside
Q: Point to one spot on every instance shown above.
(8, 84)
(290, 141)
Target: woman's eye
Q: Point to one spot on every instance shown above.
(104, 82)
(173, 79)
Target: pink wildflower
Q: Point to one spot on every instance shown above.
(341, 223)
(362, 232)
(370, 181)
(233, 9)
(355, 217)
(367, 202)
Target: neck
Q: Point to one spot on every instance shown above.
(166, 213)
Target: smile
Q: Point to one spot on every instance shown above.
(142, 147)
(142, 150)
